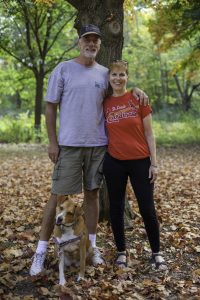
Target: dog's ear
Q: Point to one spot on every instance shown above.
(79, 211)
(61, 199)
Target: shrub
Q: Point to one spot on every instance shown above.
(20, 129)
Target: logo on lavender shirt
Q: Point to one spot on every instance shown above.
(99, 85)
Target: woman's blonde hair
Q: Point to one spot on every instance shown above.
(119, 64)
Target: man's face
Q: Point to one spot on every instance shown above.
(89, 45)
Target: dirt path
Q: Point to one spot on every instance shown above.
(24, 188)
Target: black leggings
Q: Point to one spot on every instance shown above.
(116, 173)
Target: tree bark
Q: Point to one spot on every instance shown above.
(39, 78)
(104, 207)
(108, 16)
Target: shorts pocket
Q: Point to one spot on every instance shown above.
(57, 170)
(99, 174)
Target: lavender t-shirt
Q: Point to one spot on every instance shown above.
(80, 91)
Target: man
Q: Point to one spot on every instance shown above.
(78, 86)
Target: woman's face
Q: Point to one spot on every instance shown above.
(118, 78)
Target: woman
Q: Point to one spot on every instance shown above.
(131, 154)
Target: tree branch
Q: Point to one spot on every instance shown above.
(58, 32)
(32, 68)
(27, 23)
(194, 87)
(56, 61)
(178, 86)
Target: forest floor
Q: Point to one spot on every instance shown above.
(25, 179)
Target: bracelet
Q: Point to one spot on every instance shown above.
(154, 166)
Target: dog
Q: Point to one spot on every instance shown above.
(71, 237)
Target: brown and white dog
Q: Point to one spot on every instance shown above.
(71, 237)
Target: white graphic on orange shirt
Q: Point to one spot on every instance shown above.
(122, 112)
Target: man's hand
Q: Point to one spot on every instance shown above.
(140, 96)
(53, 151)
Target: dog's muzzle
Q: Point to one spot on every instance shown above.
(59, 221)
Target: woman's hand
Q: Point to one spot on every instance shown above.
(153, 173)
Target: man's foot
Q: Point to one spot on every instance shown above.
(121, 259)
(97, 258)
(37, 264)
(158, 262)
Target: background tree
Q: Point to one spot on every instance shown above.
(177, 24)
(16, 90)
(30, 33)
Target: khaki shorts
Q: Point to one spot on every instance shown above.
(77, 168)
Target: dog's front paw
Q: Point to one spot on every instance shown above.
(62, 282)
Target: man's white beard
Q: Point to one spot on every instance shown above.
(90, 54)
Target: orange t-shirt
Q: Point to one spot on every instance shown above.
(123, 118)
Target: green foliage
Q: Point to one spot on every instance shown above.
(36, 35)
(145, 63)
(153, 71)
(18, 88)
(172, 126)
(176, 21)
(34, 38)
(20, 129)
(173, 133)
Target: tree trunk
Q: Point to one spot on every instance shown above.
(186, 96)
(186, 103)
(104, 207)
(108, 15)
(18, 100)
(39, 78)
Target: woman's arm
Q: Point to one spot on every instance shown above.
(148, 130)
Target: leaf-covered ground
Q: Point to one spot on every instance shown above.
(24, 188)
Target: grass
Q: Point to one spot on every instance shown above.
(178, 132)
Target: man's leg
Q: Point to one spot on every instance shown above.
(45, 233)
(91, 207)
(48, 218)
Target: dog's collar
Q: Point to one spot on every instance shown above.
(67, 225)
(62, 244)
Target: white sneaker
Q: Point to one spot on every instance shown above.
(97, 258)
(37, 264)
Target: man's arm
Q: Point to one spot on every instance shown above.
(140, 96)
(51, 114)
